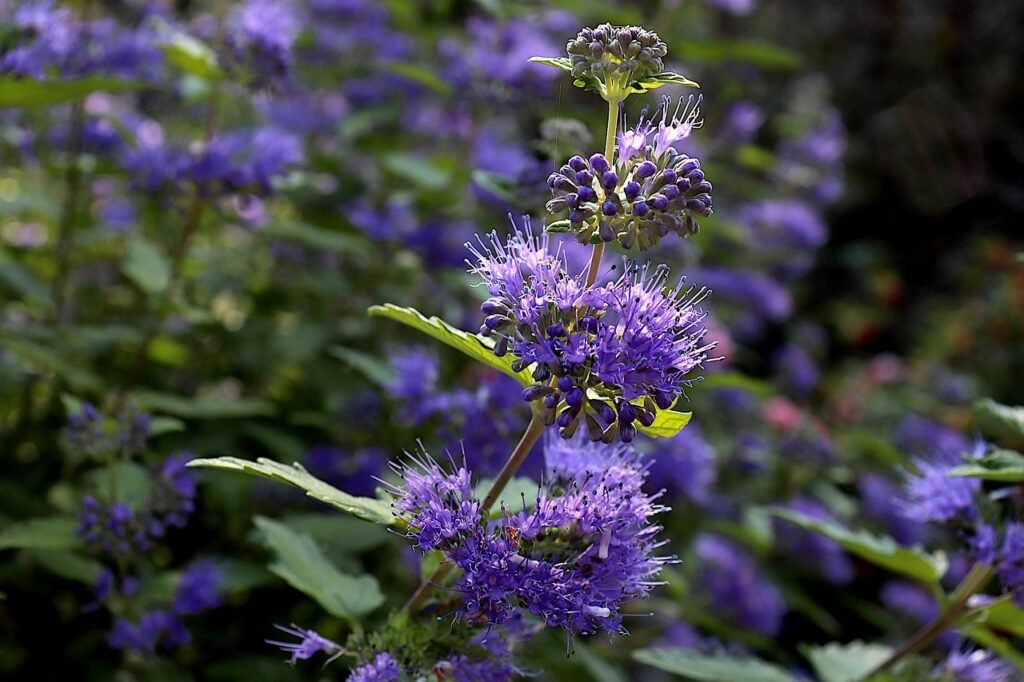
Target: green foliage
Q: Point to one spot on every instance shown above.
(55, 532)
(303, 566)
(999, 465)
(999, 421)
(851, 662)
(692, 665)
(190, 55)
(366, 508)
(880, 550)
(30, 94)
(146, 266)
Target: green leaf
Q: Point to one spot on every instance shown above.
(475, 346)
(851, 662)
(55, 532)
(334, 530)
(69, 565)
(1004, 616)
(880, 550)
(318, 237)
(145, 266)
(366, 508)
(501, 186)
(374, 370)
(597, 667)
(421, 172)
(133, 483)
(562, 63)
(660, 79)
(192, 56)
(559, 226)
(158, 426)
(1000, 421)
(667, 423)
(303, 566)
(760, 53)
(999, 465)
(418, 74)
(711, 668)
(201, 408)
(25, 93)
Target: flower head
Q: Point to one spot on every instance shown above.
(606, 357)
(383, 668)
(975, 665)
(648, 191)
(439, 506)
(616, 53)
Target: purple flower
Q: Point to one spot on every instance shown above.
(812, 550)
(310, 644)
(1011, 560)
(932, 495)
(639, 341)
(881, 500)
(153, 630)
(975, 665)
(920, 436)
(440, 507)
(909, 599)
(200, 589)
(383, 668)
(736, 587)
(265, 30)
(759, 294)
(684, 466)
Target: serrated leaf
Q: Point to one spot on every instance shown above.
(192, 56)
(55, 532)
(27, 94)
(878, 549)
(1000, 421)
(475, 346)
(366, 508)
(851, 662)
(144, 265)
(692, 665)
(999, 465)
(660, 79)
(303, 566)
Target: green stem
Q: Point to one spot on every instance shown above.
(609, 149)
(515, 460)
(975, 580)
(68, 214)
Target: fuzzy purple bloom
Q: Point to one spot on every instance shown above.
(975, 665)
(383, 668)
(440, 507)
(736, 586)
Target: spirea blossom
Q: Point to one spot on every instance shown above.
(585, 547)
(737, 588)
(649, 191)
(932, 495)
(608, 357)
(975, 665)
(383, 668)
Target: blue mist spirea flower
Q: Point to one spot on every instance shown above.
(684, 466)
(261, 34)
(616, 53)
(736, 587)
(383, 668)
(152, 630)
(199, 589)
(439, 507)
(310, 644)
(932, 495)
(647, 192)
(975, 665)
(609, 357)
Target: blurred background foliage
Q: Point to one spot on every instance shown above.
(200, 200)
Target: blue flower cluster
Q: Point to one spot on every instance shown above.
(649, 191)
(200, 588)
(610, 356)
(573, 557)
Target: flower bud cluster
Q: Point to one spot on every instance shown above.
(626, 53)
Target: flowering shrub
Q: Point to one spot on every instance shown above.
(643, 426)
